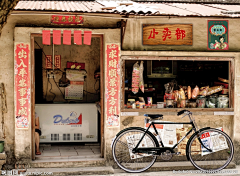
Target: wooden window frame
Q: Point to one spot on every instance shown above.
(180, 58)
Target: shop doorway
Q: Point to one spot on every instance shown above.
(67, 95)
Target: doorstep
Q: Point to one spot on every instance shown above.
(170, 166)
(71, 171)
(67, 163)
(108, 170)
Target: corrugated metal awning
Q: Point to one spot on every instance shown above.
(130, 7)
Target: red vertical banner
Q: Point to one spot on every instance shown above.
(57, 37)
(112, 84)
(87, 37)
(22, 86)
(67, 37)
(57, 61)
(78, 37)
(49, 62)
(46, 40)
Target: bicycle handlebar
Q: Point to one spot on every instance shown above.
(182, 111)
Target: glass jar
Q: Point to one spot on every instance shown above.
(212, 101)
(201, 101)
(213, 98)
(222, 101)
(170, 103)
(192, 104)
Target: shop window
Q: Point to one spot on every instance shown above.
(189, 83)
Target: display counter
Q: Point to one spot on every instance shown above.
(68, 122)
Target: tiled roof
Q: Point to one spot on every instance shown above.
(130, 7)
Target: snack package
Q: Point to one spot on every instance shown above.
(176, 94)
(141, 81)
(214, 89)
(195, 92)
(189, 92)
(181, 94)
(203, 91)
(135, 78)
(169, 96)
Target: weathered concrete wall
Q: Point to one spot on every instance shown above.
(88, 54)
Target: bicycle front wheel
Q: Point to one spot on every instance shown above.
(122, 150)
(220, 153)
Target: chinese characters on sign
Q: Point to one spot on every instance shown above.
(49, 61)
(167, 34)
(112, 84)
(22, 86)
(218, 35)
(57, 61)
(67, 20)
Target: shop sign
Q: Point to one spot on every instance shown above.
(112, 84)
(167, 34)
(22, 86)
(218, 35)
(67, 20)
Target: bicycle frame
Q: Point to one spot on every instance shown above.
(159, 138)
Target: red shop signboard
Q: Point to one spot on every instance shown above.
(22, 86)
(112, 84)
(67, 20)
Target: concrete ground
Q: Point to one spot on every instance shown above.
(224, 172)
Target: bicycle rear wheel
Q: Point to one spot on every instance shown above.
(210, 161)
(122, 150)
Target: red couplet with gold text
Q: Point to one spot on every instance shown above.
(22, 86)
(112, 84)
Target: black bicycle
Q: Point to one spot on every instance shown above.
(135, 149)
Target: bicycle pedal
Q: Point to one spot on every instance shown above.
(178, 153)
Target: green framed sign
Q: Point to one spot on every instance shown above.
(218, 35)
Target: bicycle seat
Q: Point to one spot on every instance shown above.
(153, 116)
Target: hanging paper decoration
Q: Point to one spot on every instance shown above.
(78, 37)
(57, 61)
(57, 37)
(49, 61)
(75, 65)
(67, 37)
(87, 37)
(46, 37)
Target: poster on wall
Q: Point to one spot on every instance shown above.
(218, 35)
(112, 84)
(22, 86)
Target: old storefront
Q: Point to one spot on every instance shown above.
(172, 46)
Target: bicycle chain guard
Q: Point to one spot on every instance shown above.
(167, 155)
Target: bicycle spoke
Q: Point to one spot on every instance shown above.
(216, 160)
(128, 161)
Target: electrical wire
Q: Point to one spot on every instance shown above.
(58, 88)
(95, 86)
(51, 89)
(46, 91)
(90, 92)
(47, 58)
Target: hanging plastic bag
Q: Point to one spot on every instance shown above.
(135, 78)
(141, 81)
